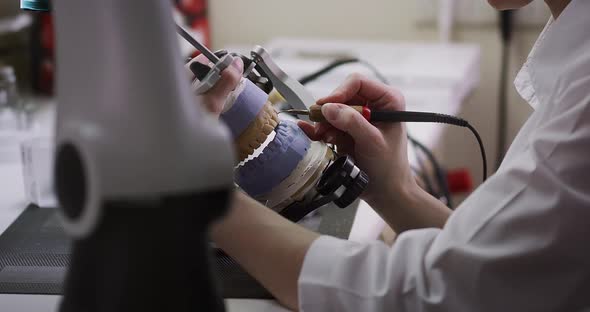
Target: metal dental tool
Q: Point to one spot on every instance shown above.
(203, 49)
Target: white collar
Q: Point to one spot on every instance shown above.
(561, 44)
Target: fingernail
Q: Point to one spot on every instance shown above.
(239, 64)
(331, 111)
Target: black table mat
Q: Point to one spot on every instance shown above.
(35, 253)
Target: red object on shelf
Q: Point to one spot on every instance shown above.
(46, 35)
(459, 181)
(46, 76)
(44, 51)
(192, 6)
(195, 17)
(202, 26)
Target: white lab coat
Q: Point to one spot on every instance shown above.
(520, 242)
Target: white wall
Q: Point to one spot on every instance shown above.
(256, 21)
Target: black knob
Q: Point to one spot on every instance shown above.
(343, 181)
(353, 190)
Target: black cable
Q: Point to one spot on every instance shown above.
(438, 171)
(337, 63)
(324, 70)
(446, 119)
(481, 149)
(423, 174)
(506, 29)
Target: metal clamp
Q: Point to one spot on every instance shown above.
(342, 183)
(292, 90)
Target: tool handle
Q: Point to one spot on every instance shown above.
(315, 112)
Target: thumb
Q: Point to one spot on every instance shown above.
(347, 119)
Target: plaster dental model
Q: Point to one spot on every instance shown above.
(250, 118)
(288, 167)
(261, 174)
(287, 172)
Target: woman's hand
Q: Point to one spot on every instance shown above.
(215, 98)
(379, 149)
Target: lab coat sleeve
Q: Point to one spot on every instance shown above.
(519, 243)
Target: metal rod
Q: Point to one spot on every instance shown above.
(296, 111)
(203, 49)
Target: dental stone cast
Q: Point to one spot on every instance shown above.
(250, 118)
(261, 174)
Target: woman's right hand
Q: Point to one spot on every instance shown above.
(379, 149)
